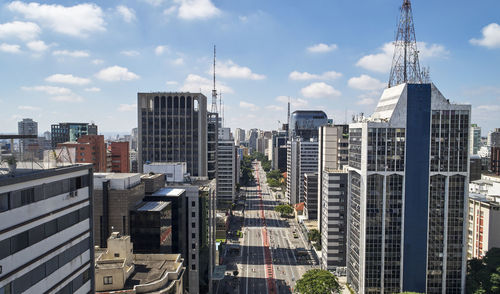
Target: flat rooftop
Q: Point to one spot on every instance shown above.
(115, 175)
(26, 171)
(147, 271)
(170, 192)
(153, 206)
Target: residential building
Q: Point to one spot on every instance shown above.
(90, 149)
(311, 196)
(408, 183)
(333, 219)
(118, 269)
(173, 128)
(115, 195)
(46, 243)
(474, 139)
(120, 160)
(483, 219)
(226, 171)
(302, 158)
(70, 132)
(28, 147)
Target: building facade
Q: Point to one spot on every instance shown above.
(120, 159)
(90, 149)
(28, 127)
(226, 170)
(483, 219)
(311, 195)
(302, 158)
(408, 203)
(46, 242)
(305, 123)
(173, 128)
(70, 132)
(474, 139)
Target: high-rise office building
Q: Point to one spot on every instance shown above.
(408, 193)
(305, 123)
(239, 136)
(173, 128)
(226, 169)
(46, 231)
(28, 127)
(133, 139)
(311, 195)
(302, 158)
(252, 139)
(70, 132)
(474, 138)
(212, 144)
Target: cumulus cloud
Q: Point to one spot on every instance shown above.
(321, 48)
(67, 79)
(381, 62)
(10, 48)
(92, 89)
(490, 38)
(51, 90)
(37, 46)
(295, 102)
(196, 9)
(128, 14)
(20, 30)
(229, 69)
(249, 106)
(116, 73)
(159, 50)
(79, 21)
(76, 53)
(304, 76)
(130, 53)
(196, 83)
(127, 107)
(28, 108)
(366, 83)
(319, 90)
(169, 11)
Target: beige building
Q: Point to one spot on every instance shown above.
(118, 270)
(484, 217)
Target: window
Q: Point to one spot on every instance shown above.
(193, 235)
(193, 203)
(193, 225)
(193, 266)
(193, 256)
(117, 254)
(4, 202)
(193, 214)
(193, 245)
(107, 280)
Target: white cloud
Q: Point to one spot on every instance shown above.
(127, 107)
(249, 106)
(159, 50)
(319, 90)
(154, 2)
(76, 53)
(67, 98)
(51, 90)
(366, 101)
(304, 76)
(229, 69)
(275, 108)
(169, 11)
(321, 48)
(366, 83)
(491, 37)
(97, 61)
(78, 21)
(295, 102)
(67, 79)
(130, 53)
(28, 108)
(93, 89)
(196, 9)
(178, 61)
(489, 108)
(38, 46)
(19, 29)
(381, 62)
(10, 48)
(128, 14)
(196, 83)
(116, 73)
(171, 83)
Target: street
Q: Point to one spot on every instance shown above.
(273, 252)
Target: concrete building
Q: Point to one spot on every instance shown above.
(239, 136)
(302, 158)
(311, 196)
(134, 134)
(333, 219)
(28, 127)
(483, 219)
(46, 225)
(70, 132)
(474, 139)
(175, 172)
(212, 144)
(475, 167)
(278, 154)
(226, 170)
(120, 159)
(494, 138)
(408, 193)
(90, 149)
(173, 128)
(495, 160)
(118, 269)
(115, 195)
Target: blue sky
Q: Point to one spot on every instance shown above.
(86, 61)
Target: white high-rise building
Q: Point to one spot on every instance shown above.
(302, 158)
(239, 136)
(475, 139)
(226, 170)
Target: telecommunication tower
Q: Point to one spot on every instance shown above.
(214, 92)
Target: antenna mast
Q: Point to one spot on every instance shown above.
(405, 65)
(214, 92)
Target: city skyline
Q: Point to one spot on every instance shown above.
(87, 62)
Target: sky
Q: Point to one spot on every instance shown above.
(82, 61)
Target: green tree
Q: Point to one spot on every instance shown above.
(284, 209)
(317, 281)
(483, 275)
(314, 235)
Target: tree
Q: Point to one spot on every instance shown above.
(314, 235)
(317, 281)
(483, 275)
(284, 209)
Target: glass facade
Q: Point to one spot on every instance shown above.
(305, 123)
(373, 237)
(392, 238)
(386, 149)
(354, 230)
(355, 148)
(435, 250)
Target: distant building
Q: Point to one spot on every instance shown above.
(226, 170)
(239, 136)
(28, 127)
(212, 144)
(133, 139)
(311, 196)
(90, 149)
(70, 132)
(302, 158)
(46, 241)
(118, 269)
(175, 172)
(483, 219)
(252, 140)
(173, 128)
(495, 160)
(305, 123)
(120, 162)
(474, 139)
(475, 167)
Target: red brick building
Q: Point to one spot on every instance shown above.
(120, 162)
(89, 149)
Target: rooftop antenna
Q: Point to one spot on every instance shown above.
(214, 92)
(288, 115)
(405, 65)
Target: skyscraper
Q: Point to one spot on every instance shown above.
(474, 138)
(28, 127)
(226, 164)
(305, 123)
(70, 132)
(173, 128)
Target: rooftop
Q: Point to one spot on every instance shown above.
(152, 206)
(149, 270)
(25, 170)
(171, 192)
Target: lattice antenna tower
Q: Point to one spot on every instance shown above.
(405, 65)
(214, 92)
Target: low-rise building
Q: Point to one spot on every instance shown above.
(484, 218)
